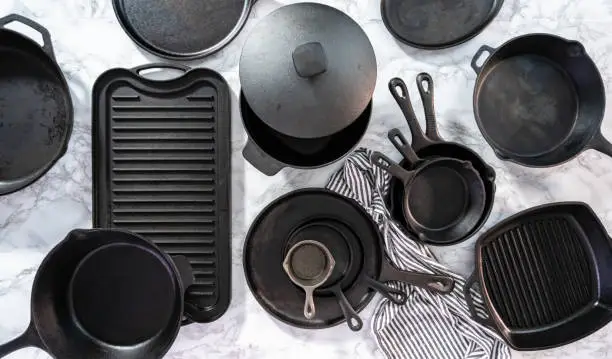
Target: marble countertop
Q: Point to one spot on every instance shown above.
(88, 40)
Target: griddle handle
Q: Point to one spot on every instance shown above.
(601, 144)
(399, 91)
(29, 338)
(47, 45)
(426, 90)
(440, 284)
(487, 322)
(483, 50)
(401, 144)
(260, 160)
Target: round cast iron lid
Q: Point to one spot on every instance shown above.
(308, 70)
(182, 30)
(437, 24)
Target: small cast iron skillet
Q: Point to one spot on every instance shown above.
(105, 294)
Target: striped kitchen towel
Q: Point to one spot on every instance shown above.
(429, 326)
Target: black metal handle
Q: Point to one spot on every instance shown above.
(401, 144)
(160, 66)
(426, 90)
(385, 163)
(394, 295)
(46, 36)
(29, 338)
(487, 322)
(185, 272)
(399, 91)
(483, 50)
(352, 318)
(260, 160)
(433, 282)
(601, 144)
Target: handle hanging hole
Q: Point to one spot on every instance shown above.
(482, 58)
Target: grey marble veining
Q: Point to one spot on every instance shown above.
(88, 40)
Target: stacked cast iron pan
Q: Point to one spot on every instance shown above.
(451, 198)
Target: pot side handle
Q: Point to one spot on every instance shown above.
(487, 322)
(47, 45)
(485, 49)
(260, 160)
(29, 338)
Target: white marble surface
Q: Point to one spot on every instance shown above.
(88, 40)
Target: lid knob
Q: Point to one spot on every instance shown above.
(309, 59)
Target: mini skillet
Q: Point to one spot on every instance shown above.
(431, 145)
(444, 198)
(105, 294)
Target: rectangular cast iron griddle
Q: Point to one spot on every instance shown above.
(161, 169)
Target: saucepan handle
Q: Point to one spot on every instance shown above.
(399, 91)
(29, 338)
(487, 322)
(601, 144)
(485, 49)
(385, 163)
(46, 36)
(401, 144)
(436, 283)
(260, 160)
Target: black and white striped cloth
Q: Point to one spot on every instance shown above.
(429, 326)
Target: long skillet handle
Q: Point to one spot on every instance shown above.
(426, 90)
(29, 338)
(399, 91)
(385, 163)
(401, 144)
(436, 283)
(487, 322)
(601, 144)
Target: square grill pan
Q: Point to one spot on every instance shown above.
(545, 275)
(161, 169)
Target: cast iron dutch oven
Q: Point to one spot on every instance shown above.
(307, 72)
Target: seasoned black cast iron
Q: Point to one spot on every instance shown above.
(443, 198)
(539, 100)
(182, 30)
(307, 72)
(546, 276)
(353, 240)
(36, 113)
(162, 169)
(430, 145)
(437, 24)
(105, 294)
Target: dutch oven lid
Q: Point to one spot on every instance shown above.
(308, 70)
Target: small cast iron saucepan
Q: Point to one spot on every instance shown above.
(444, 198)
(431, 145)
(539, 100)
(103, 294)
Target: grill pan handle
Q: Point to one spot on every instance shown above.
(260, 160)
(483, 50)
(487, 322)
(601, 144)
(160, 66)
(399, 91)
(46, 36)
(28, 339)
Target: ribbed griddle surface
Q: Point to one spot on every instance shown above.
(166, 176)
(538, 272)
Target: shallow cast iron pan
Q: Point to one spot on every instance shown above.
(545, 275)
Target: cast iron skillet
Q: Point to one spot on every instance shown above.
(105, 294)
(444, 198)
(545, 275)
(353, 239)
(431, 145)
(37, 111)
(539, 100)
